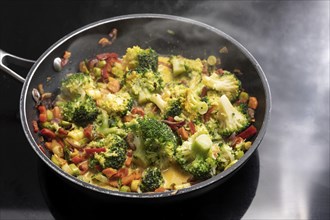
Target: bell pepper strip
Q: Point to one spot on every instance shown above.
(126, 180)
(105, 56)
(207, 115)
(62, 132)
(42, 113)
(88, 131)
(109, 172)
(77, 159)
(248, 133)
(42, 149)
(47, 133)
(192, 127)
(83, 167)
(90, 151)
(121, 173)
(35, 126)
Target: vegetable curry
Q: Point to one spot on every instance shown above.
(145, 122)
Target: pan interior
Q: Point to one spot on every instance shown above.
(166, 35)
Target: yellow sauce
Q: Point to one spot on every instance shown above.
(174, 175)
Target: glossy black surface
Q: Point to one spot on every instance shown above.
(288, 178)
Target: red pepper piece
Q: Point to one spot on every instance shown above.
(47, 133)
(192, 127)
(94, 150)
(247, 133)
(104, 56)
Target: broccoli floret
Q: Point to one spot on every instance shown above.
(143, 85)
(103, 125)
(230, 118)
(76, 85)
(226, 157)
(226, 84)
(115, 154)
(195, 157)
(111, 140)
(151, 179)
(81, 111)
(114, 157)
(147, 60)
(194, 105)
(183, 65)
(174, 108)
(141, 60)
(118, 103)
(157, 143)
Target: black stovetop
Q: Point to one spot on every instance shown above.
(286, 178)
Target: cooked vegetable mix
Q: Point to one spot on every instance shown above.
(145, 122)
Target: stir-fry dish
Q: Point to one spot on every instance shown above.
(145, 122)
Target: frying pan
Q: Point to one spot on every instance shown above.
(167, 35)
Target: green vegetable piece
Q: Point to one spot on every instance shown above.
(151, 179)
(202, 144)
(178, 66)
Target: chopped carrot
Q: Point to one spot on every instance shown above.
(113, 85)
(160, 189)
(128, 161)
(128, 118)
(183, 133)
(121, 173)
(42, 117)
(56, 112)
(126, 180)
(114, 183)
(42, 109)
(138, 111)
(253, 102)
(48, 145)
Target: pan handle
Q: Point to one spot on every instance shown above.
(7, 58)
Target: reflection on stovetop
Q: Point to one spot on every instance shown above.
(230, 200)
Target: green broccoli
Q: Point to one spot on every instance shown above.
(194, 105)
(170, 107)
(143, 85)
(182, 65)
(195, 157)
(81, 111)
(231, 119)
(147, 60)
(115, 154)
(151, 179)
(103, 127)
(111, 140)
(174, 108)
(113, 157)
(157, 143)
(118, 103)
(227, 84)
(76, 85)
